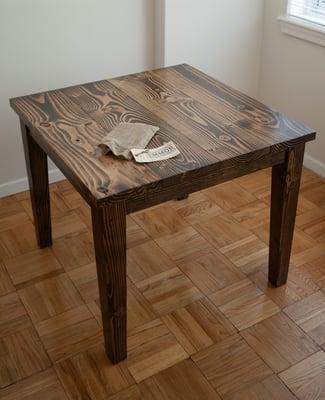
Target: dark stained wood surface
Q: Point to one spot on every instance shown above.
(109, 231)
(216, 128)
(38, 179)
(284, 198)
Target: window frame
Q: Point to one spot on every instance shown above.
(302, 28)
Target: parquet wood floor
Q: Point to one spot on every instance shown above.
(203, 322)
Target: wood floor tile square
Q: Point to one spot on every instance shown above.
(243, 289)
(298, 286)
(210, 271)
(316, 271)
(231, 365)
(44, 385)
(196, 208)
(183, 244)
(308, 255)
(307, 379)
(314, 191)
(13, 316)
(304, 205)
(84, 213)
(221, 230)
(85, 280)
(249, 306)
(67, 225)
(198, 325)
(71, 197)
(31, 267)
(309, 314)
(90, 375)
(134, 234)
(147, 260)
(169, 290)
(18, 240)
(249, 254)
(160, 221)
(21, 355)
(313, 223)
(140, 311)
(252, 215)
(183, 381)
(301, 241)
(26, 204)
(69, 333)
(256, 183)
(6, 285)
(74, 252)
(131, 393)
(279, 342)
(229, 196)
(272, 388)
(151, 349)
(50, 297)
(58, 204)
(12, 213)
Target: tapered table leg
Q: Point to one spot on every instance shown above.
(109, 230)
(284, 198)
(37, 171)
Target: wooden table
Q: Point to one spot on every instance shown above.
(221, 134)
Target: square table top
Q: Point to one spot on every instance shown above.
(210, 123)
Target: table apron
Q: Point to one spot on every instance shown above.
(170, 188)
(196, 180)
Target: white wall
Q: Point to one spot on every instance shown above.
(46, 44)
(293, 79)
(221, 37)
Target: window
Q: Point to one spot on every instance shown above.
(308, 10)
(305, 19)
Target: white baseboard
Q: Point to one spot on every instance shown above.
(20, 185)
(315, 165)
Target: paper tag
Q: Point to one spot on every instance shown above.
(168, 150)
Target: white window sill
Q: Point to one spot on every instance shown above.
(303, 29)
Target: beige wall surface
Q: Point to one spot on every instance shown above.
(221, 37)
(293, 79)
(49, 44)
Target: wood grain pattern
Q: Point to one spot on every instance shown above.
(21, 355)
(109, 226)
(69, 123)
(231, 365)
(279, 342)
(314, 387)
(152, 348)
(309, 314)
(111, 379)
(39, 386)
(184, 381)
(271, 388)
